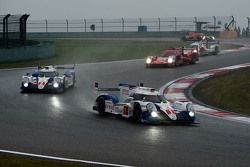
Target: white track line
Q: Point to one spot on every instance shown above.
(62, 159)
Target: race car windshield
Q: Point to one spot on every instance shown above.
(148, 98)
(47, 74)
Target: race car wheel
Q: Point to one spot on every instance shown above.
(216, 51)
(193, 60)
(137, 113)
(100, 104)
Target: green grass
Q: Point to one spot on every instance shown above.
(69, 51)
(9, 160)
(229, 91)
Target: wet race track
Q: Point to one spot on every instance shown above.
(64, 125)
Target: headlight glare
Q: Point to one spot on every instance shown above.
(191, 113)
(149, 60)
(55, 85)
(171, 59)
(152, 109)
(191, 110)
(154, 114)
(26, 84)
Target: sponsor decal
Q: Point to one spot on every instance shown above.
(42, 81)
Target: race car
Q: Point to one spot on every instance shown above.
(206, 47)
(193, 36)
(173, 57)
(48, 78)
(144, 105)
(196, 36)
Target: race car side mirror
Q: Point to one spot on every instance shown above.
(27, 73)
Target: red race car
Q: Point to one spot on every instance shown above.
(193, 36)
(173, 57)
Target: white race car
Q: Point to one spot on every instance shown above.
(143, 104)
(48, 78)
(206, 47)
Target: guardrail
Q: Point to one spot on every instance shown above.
(173, 24)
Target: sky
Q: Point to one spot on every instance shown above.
(113, 9)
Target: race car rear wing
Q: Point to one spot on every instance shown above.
(57, 67)
(125, 89)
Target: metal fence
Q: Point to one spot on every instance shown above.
(12, 28)
(212, 23)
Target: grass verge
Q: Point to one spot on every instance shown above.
(70, 51)
(230, 91)
(9, 160)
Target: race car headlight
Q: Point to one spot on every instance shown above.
(154, 114)
(149, 60)
(152, 109)
(191, 110)
(195, 51)
(56, 82)
(26, 80)
(26, 84)
(171, 59)
(191, 113)
(55, 85)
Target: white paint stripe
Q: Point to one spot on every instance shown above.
(180, 85)
(62, 159)
(199, 76)
(175, 96)
(244, 119)
(232, 67)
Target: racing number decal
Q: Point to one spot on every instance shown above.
(109, 106)
(171, 114)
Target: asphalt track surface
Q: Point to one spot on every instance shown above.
(64, 125)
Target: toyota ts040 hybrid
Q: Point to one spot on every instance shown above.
(206, 47)
(173, 57)
(48, 78)
(143, 104)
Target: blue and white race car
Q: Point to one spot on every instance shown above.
(143, 104)
(48, 78)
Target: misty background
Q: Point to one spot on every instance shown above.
(113, 9)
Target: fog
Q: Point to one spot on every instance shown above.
(112, 9)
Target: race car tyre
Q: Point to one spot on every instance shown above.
(137, 113)
(216, 51)
(193, 60)
(100, 105)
